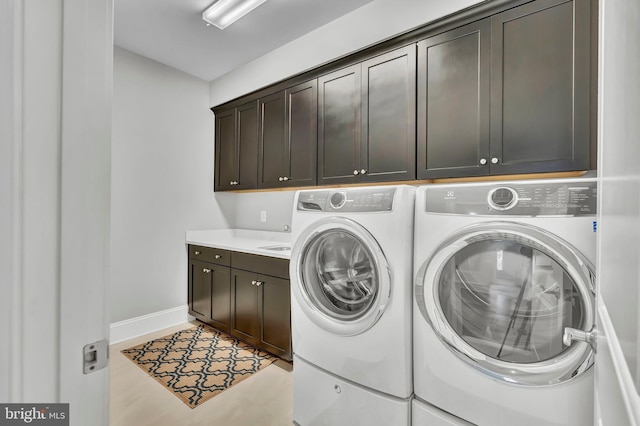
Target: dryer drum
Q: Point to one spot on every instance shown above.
(501, 294)
(342, 280)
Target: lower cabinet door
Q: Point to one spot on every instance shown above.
(221, 297)
(275, 317)
(244, 306)
(200, 274)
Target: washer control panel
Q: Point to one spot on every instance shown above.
(347, 200)
(569, 197)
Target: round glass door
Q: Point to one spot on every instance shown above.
(342, 276)
(501, 298)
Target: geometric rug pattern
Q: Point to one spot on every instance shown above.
(198, 363)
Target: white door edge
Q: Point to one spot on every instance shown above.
(628, 390)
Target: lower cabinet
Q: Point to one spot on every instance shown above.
(261, 304)
(244, 300)
(210, 286)
(245, 295)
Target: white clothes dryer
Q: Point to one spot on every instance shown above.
(504, 288)
(351, 282)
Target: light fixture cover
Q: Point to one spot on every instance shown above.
(223, 13)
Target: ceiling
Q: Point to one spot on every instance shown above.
(172, 32)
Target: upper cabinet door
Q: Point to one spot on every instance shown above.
(302, 134)
(247, 146)
(289, 137)
(236, 148)
(274, 154)
(226, 164)
(540, 86)
(453, 102)
(339, 126)
(388, 146)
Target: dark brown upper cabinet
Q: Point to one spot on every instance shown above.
(540, 87)
(236, 148)
(339, 126)
(273, 144)
(388, 149)
(506, 94)
(288, 137)
(366, 120)
(501, 88)
(302, 133)
(453, 102)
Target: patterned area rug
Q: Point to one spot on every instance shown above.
(198, 363)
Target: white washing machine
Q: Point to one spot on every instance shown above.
(504, 302)
(351, 282)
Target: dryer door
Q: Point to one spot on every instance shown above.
(340, 278)
(501, 294)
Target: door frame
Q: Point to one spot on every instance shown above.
(55, 201)
(617, 396)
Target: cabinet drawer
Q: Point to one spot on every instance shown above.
(265, 265)
(211, 255)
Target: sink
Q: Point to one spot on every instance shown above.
(276, 248)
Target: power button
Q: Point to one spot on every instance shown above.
(502, 198)
(337, 200)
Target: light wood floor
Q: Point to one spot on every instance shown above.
(264, 399)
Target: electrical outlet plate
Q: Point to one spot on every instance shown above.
(263, 215)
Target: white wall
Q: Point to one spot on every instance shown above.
(618, 267)
(277, 204)
(162, 183)
(372, 23)
(8, 219)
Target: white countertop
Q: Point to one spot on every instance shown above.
(243, 240)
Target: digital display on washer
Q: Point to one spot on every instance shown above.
(348, 200)
(569, 198)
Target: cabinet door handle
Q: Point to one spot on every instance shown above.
(494, 160)
(254, 282)
(205, 270)
(285, 178)
(196, 252)
(259, 283)
(356, 172)
(363, 171)
(483, 161)
(280, 178)
(217, 256)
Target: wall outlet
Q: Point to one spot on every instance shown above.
(263, 215)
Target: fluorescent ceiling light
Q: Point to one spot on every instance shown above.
(223, 13)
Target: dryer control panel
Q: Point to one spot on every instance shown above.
(347, 200)
(554, 198)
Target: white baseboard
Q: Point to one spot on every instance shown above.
(145, 324)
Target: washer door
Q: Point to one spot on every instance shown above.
(500, 296)
(341, 276)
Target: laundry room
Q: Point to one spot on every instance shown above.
(338, 212)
